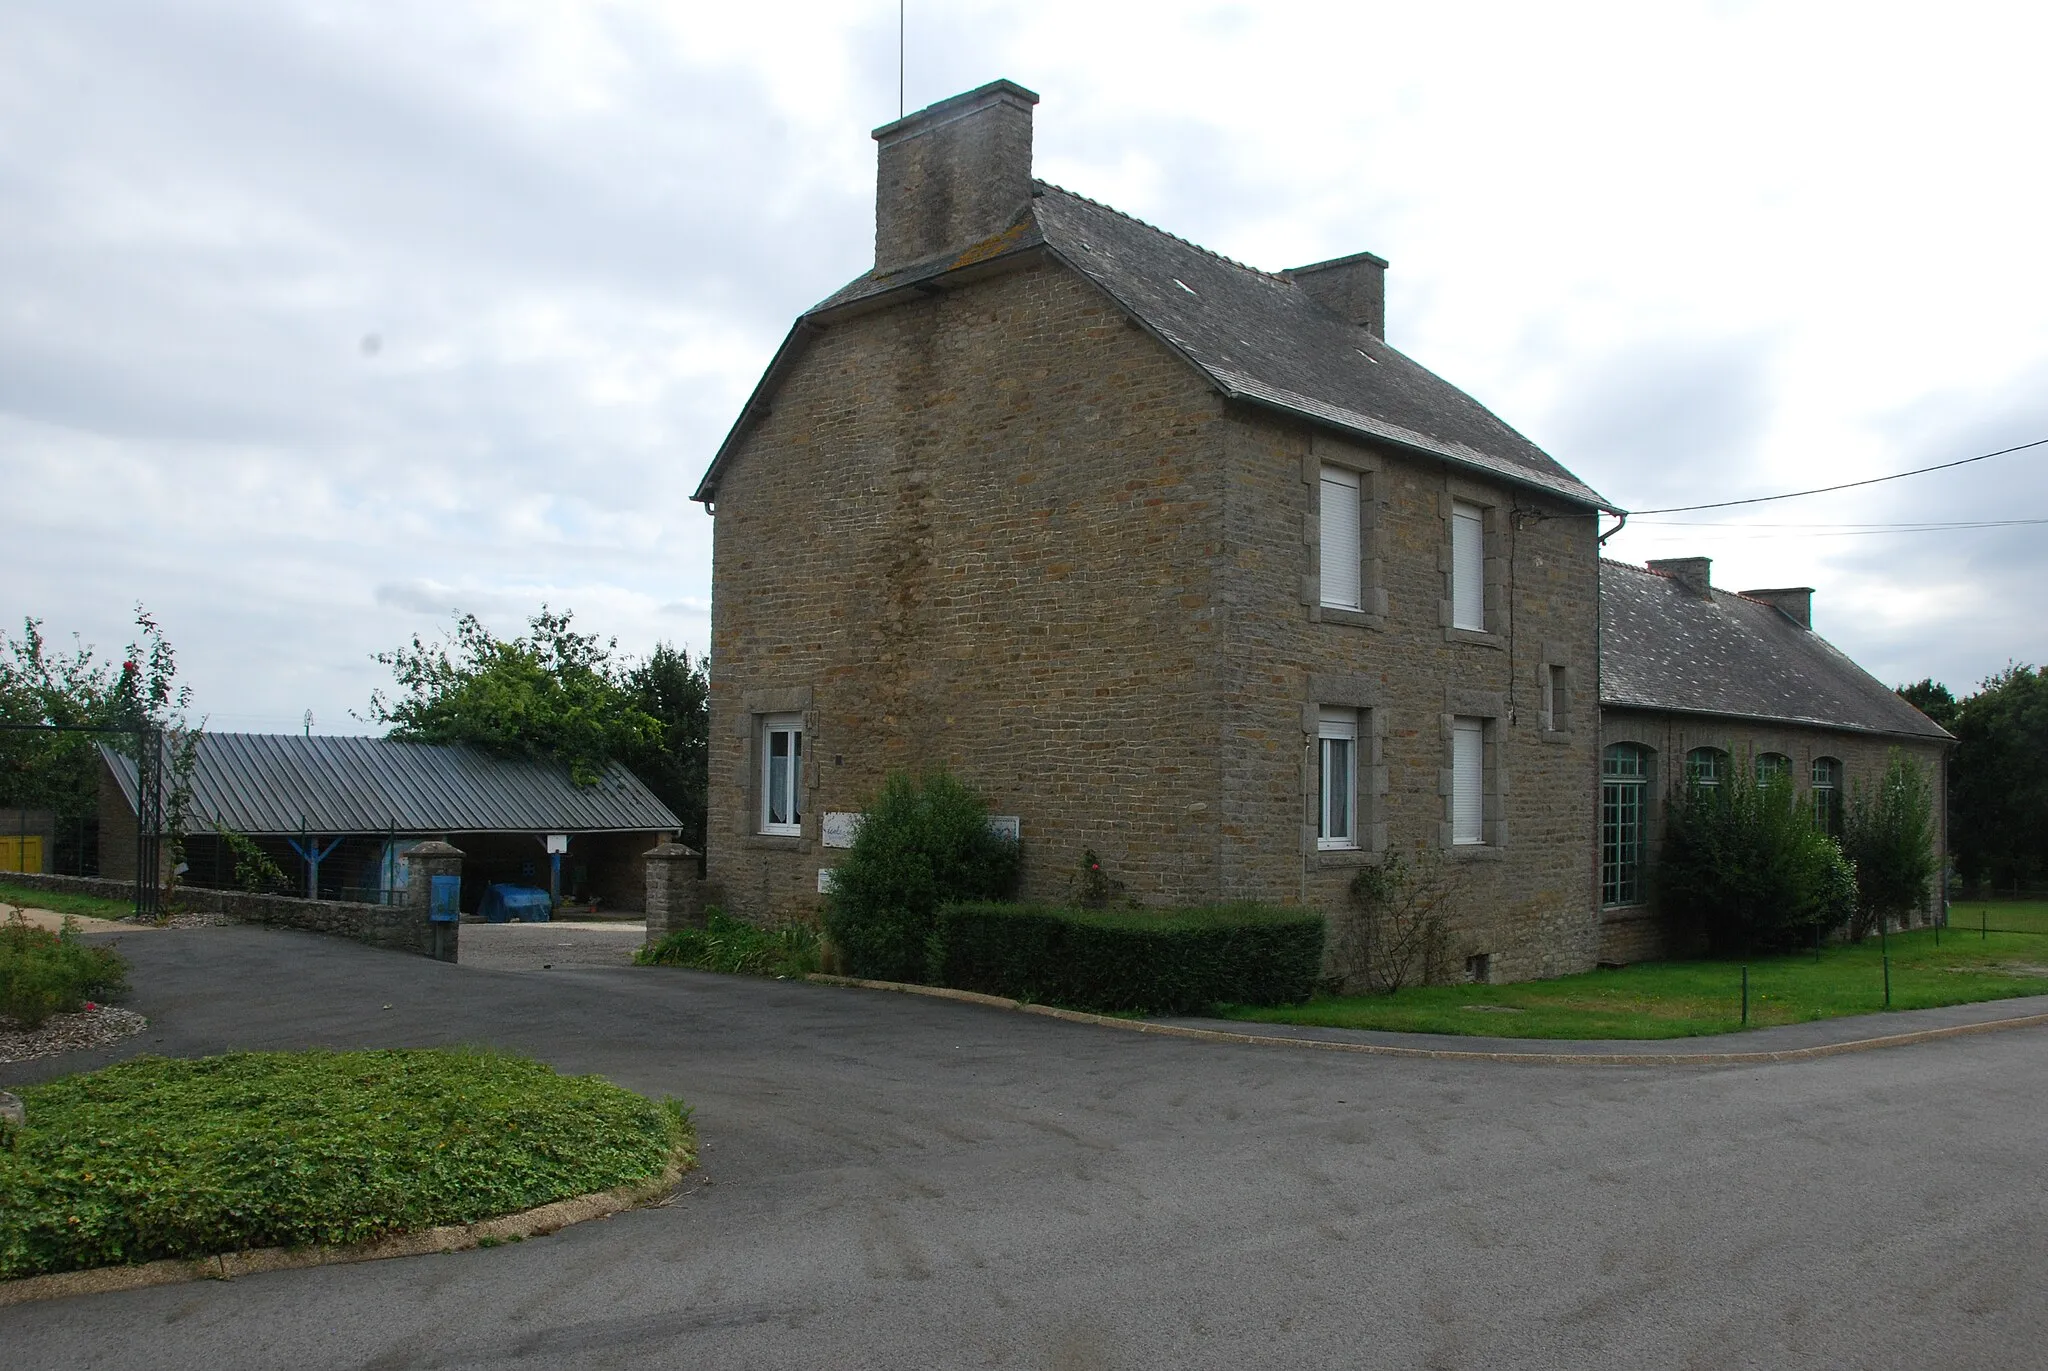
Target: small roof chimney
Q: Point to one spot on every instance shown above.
(1689, 572)
(1354, 287)
(1794, 602)
(952, 174)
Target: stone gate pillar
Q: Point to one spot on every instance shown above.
(438, 932)
(675, 894)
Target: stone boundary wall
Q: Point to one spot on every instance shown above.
(403, 928)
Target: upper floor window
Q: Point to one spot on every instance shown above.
(1468, 566)
(1557, 700)
(782, 769)
(1337, 779)
(1772, 766)
(1827, 795)
(1342, 586)
(1705, 766)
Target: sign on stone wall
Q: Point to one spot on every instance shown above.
(825, 876)
(836, 830)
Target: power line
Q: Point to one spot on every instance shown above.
(1914, 526)
(1846, 485)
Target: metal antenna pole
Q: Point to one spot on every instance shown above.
(899, 57)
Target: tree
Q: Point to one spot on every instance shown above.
(675, 692)
(1744, 860)
(75, 689)
(553, 693)
(1999, 780)
(1889, 835)
(1932, 698)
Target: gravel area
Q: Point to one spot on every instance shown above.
(67, 1033)
(551, 946)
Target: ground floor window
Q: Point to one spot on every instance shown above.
(1468, 781)
(1337, 779)
(1772, 766)
(1827, 796)
(1624, 780)
(1704, 767)
(782, 769)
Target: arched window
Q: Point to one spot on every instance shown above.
(1624, 780)
(1705, 766)
(1772, 766)
(1827, 795)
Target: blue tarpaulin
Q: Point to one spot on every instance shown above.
(506, 903)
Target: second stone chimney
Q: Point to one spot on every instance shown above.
(1689, 572)
(1353, 287)
(952, 174)
(1794, 602)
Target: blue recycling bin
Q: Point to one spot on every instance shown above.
(504, 903)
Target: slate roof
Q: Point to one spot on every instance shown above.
(1663, 649)
(1256, 337)
(277, 783)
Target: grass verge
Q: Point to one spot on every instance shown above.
(1689, 999)
(734, 945)
(1997, 916)
(65, 902)
(158, 1158)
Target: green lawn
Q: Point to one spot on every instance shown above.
(64, 902)
(155, 1158)
(2014, 916)
(1684, 999)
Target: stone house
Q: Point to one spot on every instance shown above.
(1171, 558)
(1695, 680)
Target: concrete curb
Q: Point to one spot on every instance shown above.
(1535, 1057)
(226, 1266)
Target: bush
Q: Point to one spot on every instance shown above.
(921, 844)
(44, 973)
(1744, 860)
(1888, 834)
(736, 946)
(1165, 962)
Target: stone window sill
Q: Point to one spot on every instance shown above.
(1356, 618)
(1475, 638)
(1477, 852)
(778, 842)
(1340, 858)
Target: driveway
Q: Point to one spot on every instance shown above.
(892, 1181)
(550, 946)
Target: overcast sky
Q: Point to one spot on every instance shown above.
(320, 321)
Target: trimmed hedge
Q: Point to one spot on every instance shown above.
(1163, 962)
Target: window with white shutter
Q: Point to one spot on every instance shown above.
(1337, 779)
(782, 771)
(1468, 566)
(1341, 587)
(1468, 781)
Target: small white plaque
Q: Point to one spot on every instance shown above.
(1008, 825)
(558, 842)
(825, 875)
(837, 830)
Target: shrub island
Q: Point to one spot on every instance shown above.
(157, 1158)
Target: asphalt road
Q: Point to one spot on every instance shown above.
(892, 1181)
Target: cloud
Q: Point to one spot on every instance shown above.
(580, 232)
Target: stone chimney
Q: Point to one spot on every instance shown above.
(952, 174)
(1354, 288)
(1794, 602)
(1689, 572)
